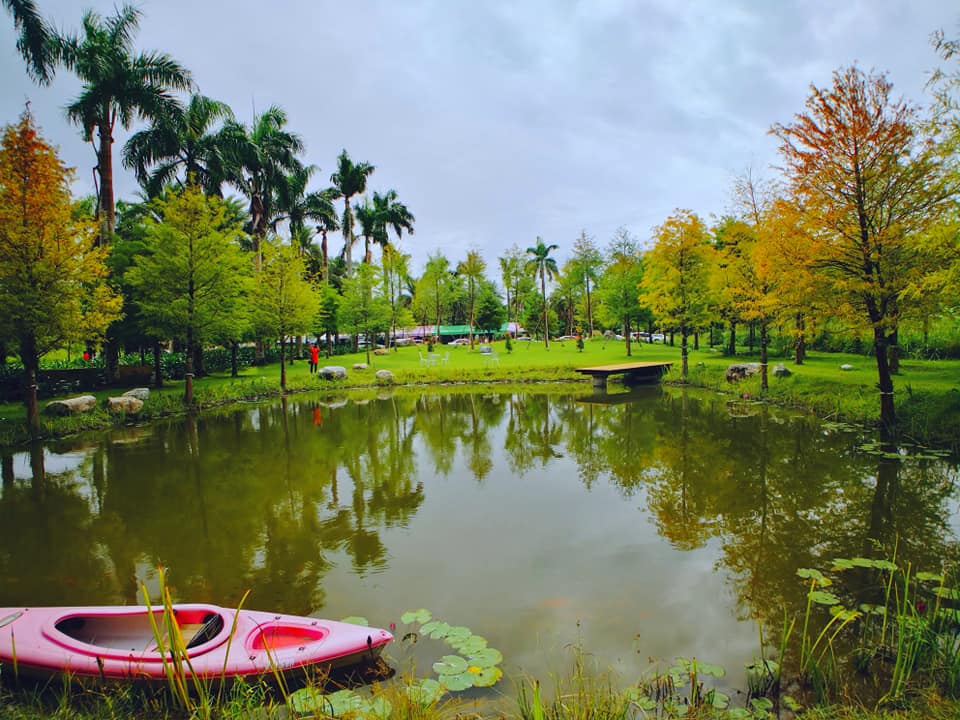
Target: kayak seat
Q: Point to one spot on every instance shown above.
(212, 625)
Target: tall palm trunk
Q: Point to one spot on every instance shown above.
(105, 170)
(347, 226)
(543, 291)
(473, 301)
(323, 253)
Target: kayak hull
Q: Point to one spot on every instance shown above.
(112, 643)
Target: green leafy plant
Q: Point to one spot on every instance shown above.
(475, 665)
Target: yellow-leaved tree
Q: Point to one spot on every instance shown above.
(285, 303)
(52, 277)
(675, 275)
(870, 186)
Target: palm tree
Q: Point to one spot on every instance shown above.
(182, 141)
(297, 206)
(117, 87)
(324, 214)
(389, 213)
(543, 265)
(472, 269)
(35, 40)
(259, 159)
(350, 179)
(366, 215)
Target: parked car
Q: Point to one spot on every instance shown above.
(459, 341)
(659, 337)
(522, 338)
(566, 337)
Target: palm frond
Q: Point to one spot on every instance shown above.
(121, 26)
(36, 41)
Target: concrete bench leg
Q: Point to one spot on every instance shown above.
(600, 382)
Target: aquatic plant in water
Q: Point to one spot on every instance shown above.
(475, 664)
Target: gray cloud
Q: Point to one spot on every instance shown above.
(500, 121)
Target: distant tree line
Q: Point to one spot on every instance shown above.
(228, 243)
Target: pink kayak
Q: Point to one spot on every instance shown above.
(118, 642)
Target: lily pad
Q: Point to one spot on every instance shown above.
(311, 701)
(929, 577)
(436, 629)
(486, 658)
(450, 665)
(425, 692)
(790, 704)
(457, 634)
(416, 616)
(488, 676)
(841, 613)
(718, 699)
(376, 707)
(762, 706)
(458, 682)
(814, 574)
(685, 667)
(472, 645)
(356, 620)
(822, 597)
(639, 698)
(874, 563)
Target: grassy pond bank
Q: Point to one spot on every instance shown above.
(660, 552)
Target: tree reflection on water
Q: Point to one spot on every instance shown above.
(272, 496)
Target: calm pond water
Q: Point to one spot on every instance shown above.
(655, 523)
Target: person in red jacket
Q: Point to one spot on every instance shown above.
(314, 357)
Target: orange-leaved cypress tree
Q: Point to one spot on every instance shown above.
(870, 186)
(52, 276)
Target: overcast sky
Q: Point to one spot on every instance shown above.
(500, 121)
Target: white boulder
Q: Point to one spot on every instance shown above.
(71, 406)
(125, 403)
(140, 393)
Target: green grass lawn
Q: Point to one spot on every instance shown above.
(928, 391)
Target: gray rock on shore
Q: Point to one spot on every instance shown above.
(739, 371)
(71, 406)
(125, 403)
(333, 372)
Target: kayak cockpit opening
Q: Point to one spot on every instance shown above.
(211, 627)
(134, 632)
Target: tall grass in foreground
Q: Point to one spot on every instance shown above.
(192, 693)
(864, 618)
